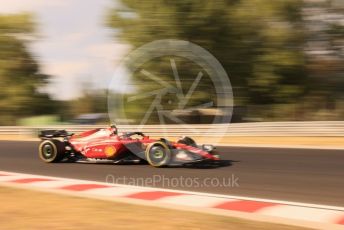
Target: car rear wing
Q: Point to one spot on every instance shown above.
(51, 133)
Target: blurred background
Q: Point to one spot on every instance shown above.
(285, 58)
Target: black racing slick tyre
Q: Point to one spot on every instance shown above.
(51, 151)
(158, 154)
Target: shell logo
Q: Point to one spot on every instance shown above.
(110, 151)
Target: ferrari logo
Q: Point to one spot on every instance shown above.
(110, 151)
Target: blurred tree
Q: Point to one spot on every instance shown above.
(325, 58)
(259, 43)
(91, 101)
(19, 72)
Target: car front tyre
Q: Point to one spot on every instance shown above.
(158, 154)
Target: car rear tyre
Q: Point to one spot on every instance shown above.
(158, 154)
(51, 151)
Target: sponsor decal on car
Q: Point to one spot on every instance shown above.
(110, 150)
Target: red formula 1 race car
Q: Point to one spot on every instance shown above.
(107, 146)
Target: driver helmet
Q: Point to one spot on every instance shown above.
(113, 129)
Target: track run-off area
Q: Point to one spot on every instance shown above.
(295, 175)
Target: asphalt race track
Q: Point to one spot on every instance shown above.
(299, 175)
